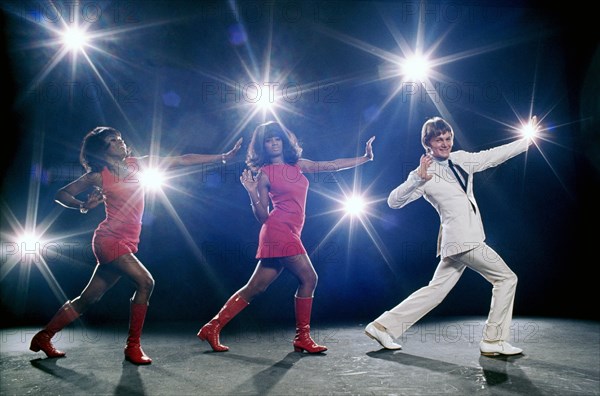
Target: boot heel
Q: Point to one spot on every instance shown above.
(43, 342)
(298, 349)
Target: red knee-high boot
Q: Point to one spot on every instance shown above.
(210, 331)
(303, 342)
(43, 339)
(133, 349)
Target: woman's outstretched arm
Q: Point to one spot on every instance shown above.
(339, 164)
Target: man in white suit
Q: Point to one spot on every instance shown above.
(445, 179)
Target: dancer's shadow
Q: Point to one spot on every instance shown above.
(71, 377)
(265, 380)
(130, 382)
(495, 372)
(492, 373)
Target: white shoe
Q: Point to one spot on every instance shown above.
(381, 337)
(498, 348)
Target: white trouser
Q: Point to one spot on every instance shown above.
(486, 262)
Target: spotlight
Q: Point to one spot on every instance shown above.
(28, 241)
(152, 178)
(354, 206)
(415, 68)
(265, 103)
(530, 129)
(29, 246)
(74, 39)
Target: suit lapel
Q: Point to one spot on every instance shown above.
(462, 172)
(444, 173)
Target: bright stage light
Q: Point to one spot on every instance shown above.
(29, 241)
(530, 129)
(415, 68)
(29, 247)
(265, 102)
(354, 206)
(74, 39)
(152, 179)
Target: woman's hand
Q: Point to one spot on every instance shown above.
(426, 160)
(231, 153)
(532, 128)
(248, 180)
(369, 148)
(95, 198)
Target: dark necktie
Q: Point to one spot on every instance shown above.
(458, 178)
(461, 182)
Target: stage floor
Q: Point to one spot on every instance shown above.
(440, 356)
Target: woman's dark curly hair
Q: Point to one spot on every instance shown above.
(94, 147)
(256, 156)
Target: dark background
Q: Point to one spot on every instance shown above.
(160, 62)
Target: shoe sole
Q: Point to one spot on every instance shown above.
(490, 354)
(301, 350)
(499, 354)
(138, 363)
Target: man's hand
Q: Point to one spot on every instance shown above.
(426, 160)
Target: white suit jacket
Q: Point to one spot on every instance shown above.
(461, 228)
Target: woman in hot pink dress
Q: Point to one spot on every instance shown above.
(274, 153)
(114, 178)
